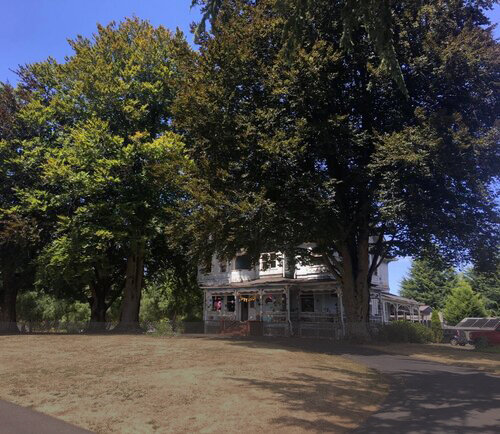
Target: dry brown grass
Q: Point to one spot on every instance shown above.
(447, 354)
(141, 384)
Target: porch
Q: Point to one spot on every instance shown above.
(309, 309)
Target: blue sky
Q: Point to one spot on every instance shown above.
(32, 30)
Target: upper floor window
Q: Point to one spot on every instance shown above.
(206, 268)
(223, 267)
(268, 260)
(317, 259)
(243, 262)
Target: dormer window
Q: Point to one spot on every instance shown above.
(317, 259)
(268, 261)
(223, 267)
(243, 262)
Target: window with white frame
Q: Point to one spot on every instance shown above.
(268, 261)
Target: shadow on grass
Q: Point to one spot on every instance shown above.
(317, 404)
(425, 396)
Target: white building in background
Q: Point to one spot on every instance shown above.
(276, 298)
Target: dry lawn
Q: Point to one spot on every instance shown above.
(140, 384)
(447, 354)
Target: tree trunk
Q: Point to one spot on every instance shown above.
(8, 298)
(356, 286)
(98, 308)
(129, 315)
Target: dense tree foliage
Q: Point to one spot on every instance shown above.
(429, 283)
(19, 231)
(172, 296)
(486, 283)
(462, 303)
(325, 148)
(113, 173)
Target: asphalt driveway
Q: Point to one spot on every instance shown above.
(429, 397)
(15, 419)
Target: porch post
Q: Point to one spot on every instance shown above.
(238, 306)
(204, 305)
(261, 294)
(397, 311)
(341, 308)
(288, 309)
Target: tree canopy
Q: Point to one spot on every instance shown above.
(429, 283)
(486, 283)
(114, 174)
(324, 148)
(462, 303)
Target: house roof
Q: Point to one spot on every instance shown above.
(396, 298)
(479, 324)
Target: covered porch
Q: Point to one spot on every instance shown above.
(394, 308)
(276, 307)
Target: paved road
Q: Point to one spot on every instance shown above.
(429, 397)
(15, 419)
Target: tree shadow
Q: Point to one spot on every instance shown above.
(438, 401)
(425, 396)
(314, 403)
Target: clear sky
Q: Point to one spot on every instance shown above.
(32, 30)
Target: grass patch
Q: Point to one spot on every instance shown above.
(132, 384)
(494, 349)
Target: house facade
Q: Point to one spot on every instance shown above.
(276, 298)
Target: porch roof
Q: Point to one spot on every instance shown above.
(275, 282)
(398, 299)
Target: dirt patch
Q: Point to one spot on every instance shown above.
(442, 353)
(140, 384)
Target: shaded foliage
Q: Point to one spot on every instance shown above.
(462, 303)
(428, 282)
(323, 147)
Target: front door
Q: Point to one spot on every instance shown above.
(244, 311)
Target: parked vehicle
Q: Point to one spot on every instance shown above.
(459, 338)
(492, 336)
(479, 329)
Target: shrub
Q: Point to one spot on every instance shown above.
(481, 343)
(159, 328)
(436, 327)
(405, 331)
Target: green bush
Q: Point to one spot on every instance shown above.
(159, 328)
(436, 327)
(481, 343)
(405, 331)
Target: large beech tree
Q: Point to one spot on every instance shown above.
(324, 146)
(113, 171)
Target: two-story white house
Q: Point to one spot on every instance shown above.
(277, 298)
